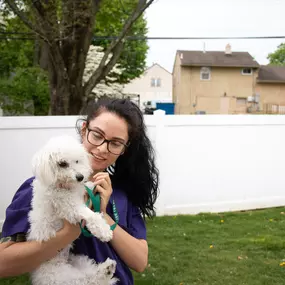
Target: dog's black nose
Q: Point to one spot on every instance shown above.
(79, 177)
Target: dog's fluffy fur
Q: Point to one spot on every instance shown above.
(61, 168)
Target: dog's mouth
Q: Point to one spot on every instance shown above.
(68, 185)
(64, 185)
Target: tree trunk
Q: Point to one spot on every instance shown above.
(65, 98)
(59, 94)
(60, 87)
(76, 101)
(59, 90)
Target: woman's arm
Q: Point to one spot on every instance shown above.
(133, 251)
(17, 258)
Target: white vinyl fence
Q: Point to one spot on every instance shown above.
(207, 163)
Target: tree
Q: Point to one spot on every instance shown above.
(278, 57)
(25, 52)
(65, 28)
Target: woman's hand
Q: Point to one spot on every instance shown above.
(71, 230)
(104, 187)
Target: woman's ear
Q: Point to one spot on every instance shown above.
(83, 129)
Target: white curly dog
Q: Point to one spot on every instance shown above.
(61, 168)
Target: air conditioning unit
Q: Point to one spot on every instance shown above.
(250, 99)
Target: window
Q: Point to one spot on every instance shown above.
(205, 73)
(155, 82)
(241, 101)
(158, 82)
(246, 71)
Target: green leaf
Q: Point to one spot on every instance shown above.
(26, 91)
(278, 57)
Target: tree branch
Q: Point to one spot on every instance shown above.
(86, 39)
(76, 47)
(22, 16)
(43, 13)
(46, 14)
(115, 47)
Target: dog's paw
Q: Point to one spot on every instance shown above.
(108, 268)
(104, 235)
(99, 227)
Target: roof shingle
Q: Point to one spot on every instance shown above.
(271, 73)
(217, 58)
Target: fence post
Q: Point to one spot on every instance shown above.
(159, 138)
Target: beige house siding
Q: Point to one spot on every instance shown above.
(185, 101)
(217, 95)
(142, 85)
(271, 94)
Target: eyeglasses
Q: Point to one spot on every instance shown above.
(114, 146)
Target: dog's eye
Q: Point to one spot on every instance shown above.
(76, 161)
(63, 164)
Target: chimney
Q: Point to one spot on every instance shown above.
(228, 50)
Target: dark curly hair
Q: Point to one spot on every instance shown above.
(136, 173)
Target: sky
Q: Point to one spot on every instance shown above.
(214, 18)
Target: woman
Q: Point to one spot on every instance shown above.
(114, 134)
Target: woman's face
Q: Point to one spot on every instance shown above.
(107, 126)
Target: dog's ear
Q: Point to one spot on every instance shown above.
(42, 167)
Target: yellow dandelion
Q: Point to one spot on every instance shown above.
(271, 220)
(211, 246)
(222, 221)
(282, 264)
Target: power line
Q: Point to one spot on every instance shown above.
(16, 33)
(188, 38)
(6, 35)
(157, 38)
(17, 38)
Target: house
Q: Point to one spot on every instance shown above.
(270, 86)
(214, 82)
(155, 84)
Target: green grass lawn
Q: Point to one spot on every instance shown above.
(224, 249)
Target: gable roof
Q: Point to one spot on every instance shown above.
(156, 64)
(271, 74)
(217, 59)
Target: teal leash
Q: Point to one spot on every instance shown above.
(96, 202)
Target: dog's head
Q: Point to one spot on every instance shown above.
(63, 162)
